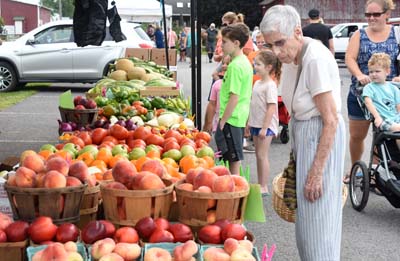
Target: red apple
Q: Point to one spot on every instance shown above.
(17, 231)
(80, 107)
(110, 228)
(42, 229)
(67, 232)
(161, 235)
(210, 234)
(3, 236)
(126, 235)
(235, 231)
(93, 231)
(161, 223)
(181, 232)
(145, 227)
(90, 104)
(222, 223)
(77, 99)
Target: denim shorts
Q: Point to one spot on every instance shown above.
(353, 108)
(256, 132)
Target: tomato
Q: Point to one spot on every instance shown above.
(141, 133)
(119, 132)
(98, 135)
(154, 139)
(171, 145)
(204, 136)
(85, 136)
(173, 133)
(77, 141)
(136, 143)
(111, 139)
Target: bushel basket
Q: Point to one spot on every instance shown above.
(90, 204)
(80, 117)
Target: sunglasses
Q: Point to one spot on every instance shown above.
(375, 15)
(279, 43)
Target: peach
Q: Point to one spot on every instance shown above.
(154, 166)
(11, 180)
(24, 154)
(108, 175)
(34, 162)
(128, 251)
(231, 245)
(59, 164)
(211, 216)
(215, 254)
(242, 254)
(102, 247)
(54, 179)
(40, 179)
(151, 181)
(186, 251)
(246, 244)
(73, 182)
(70, 246)
(79, 170)
(55, 251)
(211, 202)
(38, 255)
(91, 181)
(192, 173)
(25, 177)
(240, 183)
(186, 186)
(111, 257)
(205, 178)
(224, 184)
(157, 254)
(221, 170)
(74, 256)
(123, 171)
(135, 181)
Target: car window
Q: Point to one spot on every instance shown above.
(347, 31)
(55, 34)
(139, 30)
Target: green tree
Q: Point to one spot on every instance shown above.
(67, 7)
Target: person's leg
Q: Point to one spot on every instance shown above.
(262, 159)
(358, 131)
(234, 167)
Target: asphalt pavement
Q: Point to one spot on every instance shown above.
(373, 234)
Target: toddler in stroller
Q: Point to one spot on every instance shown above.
(380, 101)
(284, 118)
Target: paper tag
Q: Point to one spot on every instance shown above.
(5, 206)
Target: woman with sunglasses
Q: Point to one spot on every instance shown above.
(377, 37)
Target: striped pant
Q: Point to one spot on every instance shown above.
(318, 224)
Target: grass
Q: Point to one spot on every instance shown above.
(9, 99)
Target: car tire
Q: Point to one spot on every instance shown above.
(8, 77)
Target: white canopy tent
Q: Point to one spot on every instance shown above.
(145, 11)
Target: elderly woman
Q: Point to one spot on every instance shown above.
(318, 131)
(376, 37)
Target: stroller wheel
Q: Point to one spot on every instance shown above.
(359, 185)
(284, 136)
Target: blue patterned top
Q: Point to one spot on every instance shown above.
(367, 48)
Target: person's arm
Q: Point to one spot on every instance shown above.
(210, 113)
(331, 47)
(351, 59)
(271, 107)
(372, 109)
(218, 51)
(398, 108)
(327, 108)
(230, 107)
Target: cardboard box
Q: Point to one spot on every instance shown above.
(140, 53)
(158, 56)
(160, 91)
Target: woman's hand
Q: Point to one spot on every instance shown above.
(313, 186)
(363, 79)
(396, 79)
(262, 134)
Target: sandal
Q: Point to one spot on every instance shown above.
(346, 179)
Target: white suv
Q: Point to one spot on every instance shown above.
(49, 54)
(341, 35)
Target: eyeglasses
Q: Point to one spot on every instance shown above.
(225, 24)
(375, 15)
(278, 43)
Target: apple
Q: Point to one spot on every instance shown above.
(3, 236)
(187, 150)
(181, 232)
(17, 231)
(67, 232)
(72, 148)
(136, 153)
(161, 223)
(5, 221)
(42, 229)
(93, 231)
(222, 222)
(77, 100)
(205, 151)
(49, 147)
(126, 235)
(91, 104)
(235, 231)
(174, 154)
(89, 148)
(82, 101)
(119, 149)
(210, 234)
(80, 107)
(110, 228)
(161, 235)
(145, 227)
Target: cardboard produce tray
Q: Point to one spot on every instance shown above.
(160, 91)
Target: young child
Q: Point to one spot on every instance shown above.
(263, 119)
(212, 110)
(382, 98)
(234, 97)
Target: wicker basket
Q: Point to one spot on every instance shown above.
(193, 207)
(90, 204)
(137, 203)
(80, 117)
(278, 185)
(61, 204)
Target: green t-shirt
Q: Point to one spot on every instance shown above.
(238, 80)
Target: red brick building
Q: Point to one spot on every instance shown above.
(21, 17)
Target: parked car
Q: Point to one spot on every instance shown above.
(341, 34)
(49, 54)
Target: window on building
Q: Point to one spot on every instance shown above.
(188, 5)
(179, 4)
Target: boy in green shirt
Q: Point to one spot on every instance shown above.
(235, 96)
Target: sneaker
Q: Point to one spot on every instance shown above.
(249, 148)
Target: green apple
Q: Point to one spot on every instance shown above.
(151, 147)
(187, 150)
(173, 154)
(136, 153)
(205, 151)
(72, 148)
(89, 148)
(119, 149)
(49, 147)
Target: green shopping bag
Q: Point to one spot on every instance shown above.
(254, 208)
(66, 100)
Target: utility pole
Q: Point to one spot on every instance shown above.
(60, 8)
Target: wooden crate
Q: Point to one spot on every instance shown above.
(15, 251)
(193, 207)
(61, 204)
(158, 56)
(136, 203)
(90, 204)
(160, 91)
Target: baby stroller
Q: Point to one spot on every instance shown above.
(284, 118)
(383, 174)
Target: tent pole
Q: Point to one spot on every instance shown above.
(198, 52)
(192, 61)
(165, 33)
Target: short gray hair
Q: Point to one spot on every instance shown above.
(282, 19)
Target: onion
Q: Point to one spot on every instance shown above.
(130, 125)
(106, 125)
(64, 126)
(121, 122)
(99, 123)
(74, 126)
